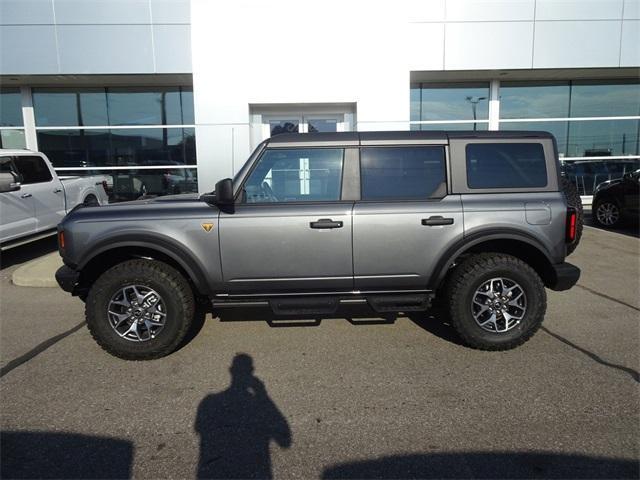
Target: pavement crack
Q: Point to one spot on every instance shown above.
(634, 373)
(603, 295)
(37, 350)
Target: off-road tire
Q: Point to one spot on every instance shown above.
(469, 275)
(170, 284)
(572, 197)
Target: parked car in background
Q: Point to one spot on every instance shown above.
(615, 201)
(586, 175)
(33, 199)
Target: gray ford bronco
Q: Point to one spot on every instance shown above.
(479, 221)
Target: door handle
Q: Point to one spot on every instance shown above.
(57, 190)
(26, 195)
(437, 220)
(325, 223)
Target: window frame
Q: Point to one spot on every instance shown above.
(458, 149)
(447, 175)
(241, 199)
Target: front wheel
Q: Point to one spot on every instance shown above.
(140, 309)
(496, 301)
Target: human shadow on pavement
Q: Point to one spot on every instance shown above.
(34, 454)
(236, 427)
(486, 464)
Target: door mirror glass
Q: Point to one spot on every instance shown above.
(9, 182)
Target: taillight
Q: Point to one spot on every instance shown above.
(104, 185)
(61, 239)
(572, 219)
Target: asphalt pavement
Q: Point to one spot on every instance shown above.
(339, 398)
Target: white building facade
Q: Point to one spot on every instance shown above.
(172, 95)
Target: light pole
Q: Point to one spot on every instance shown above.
(474, 102)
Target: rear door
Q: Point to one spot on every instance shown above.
(291, 230)
(17, 210)
(46, 191)
(405, 219)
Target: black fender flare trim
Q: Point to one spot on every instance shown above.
(158, 243)
(457, 249)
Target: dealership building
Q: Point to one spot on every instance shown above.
(169, 96)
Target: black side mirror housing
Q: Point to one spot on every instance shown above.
(222, 195)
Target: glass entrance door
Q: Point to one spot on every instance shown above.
(303, 123)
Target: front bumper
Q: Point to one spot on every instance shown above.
(564, 276)
(67, 278)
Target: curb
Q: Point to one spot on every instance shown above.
(39, 272)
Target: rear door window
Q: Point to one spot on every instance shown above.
(33, 169)
(506, 165)
(402, 173)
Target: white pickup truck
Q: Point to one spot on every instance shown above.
(33, 199)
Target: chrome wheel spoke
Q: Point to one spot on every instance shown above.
(137, 313)
(498, 305)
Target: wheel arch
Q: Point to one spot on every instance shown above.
(105, 255)
(517, 244)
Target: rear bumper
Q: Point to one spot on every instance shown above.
(67, 278)
(564, 276)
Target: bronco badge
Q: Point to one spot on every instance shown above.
(207, 226)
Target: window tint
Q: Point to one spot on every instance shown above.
(506, 165)
(402, 173)
(32, 169)
(294, 175)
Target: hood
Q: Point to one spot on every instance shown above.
(608, 184)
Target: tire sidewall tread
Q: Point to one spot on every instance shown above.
(172, 287)
(474, 271)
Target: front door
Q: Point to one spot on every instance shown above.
(17, 210)
(405, 220)
(290, 231)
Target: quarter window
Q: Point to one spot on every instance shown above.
(296, 175)
(506, 165)
(32, 170)
(402, 173)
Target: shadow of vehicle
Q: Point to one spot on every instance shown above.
(630, 228)
(236, 427)
(28, 251)
(63, 455)
(486, 465)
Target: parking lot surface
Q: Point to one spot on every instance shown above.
(338, 398)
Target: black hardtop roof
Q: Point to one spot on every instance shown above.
(354, 138)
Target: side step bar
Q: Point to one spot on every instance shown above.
(329, 304)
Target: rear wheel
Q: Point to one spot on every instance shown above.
(140, 309)
(607, 214)
(495, 301)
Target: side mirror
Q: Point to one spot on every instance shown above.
(8, 182)
(222, 195)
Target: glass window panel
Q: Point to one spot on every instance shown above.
(322, 125)
(453, 101)
(597, 99)
(131, 184)
(588, 174)
(506, 165)
(133, 106)
(93, 108)
(534, 100)
(277, 127)
(10, 108)
(186, 94)
(153, 146)
(55, 107)
(557, 129)
(293, 175)
(76, 148)
(602, 138)
(32, 170)
(402, 173)
(12, 139)
(451, 126)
